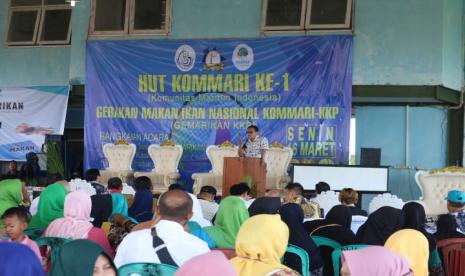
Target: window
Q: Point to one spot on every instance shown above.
(312, 15)
(39, 22)
(126, 17)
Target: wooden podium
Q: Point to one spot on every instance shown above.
(236, 169)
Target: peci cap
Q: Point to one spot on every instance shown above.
(456, 196)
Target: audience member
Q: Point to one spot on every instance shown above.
(176, 186)
(51, 178)
(230, 216)
(174, 211)
(293, 215)
(265, 205)
(415, 218)
(102, 208)
(207, 202)
(51, 204)
(142, 207)
(18, 259)
(76, 221)
(83, 257)
(447, 228)
(241, 190)
(261, 242)
(11, 195)
(456, 206)
(294, 193)
(374, 261)
(349, 197)
(210, 264)
(121, 222)
(197, 214)
(336, 226)
(115, 185)
(413, 246)
(12, 172)
(380, 225)
(322, 187)
(16, 220)
(93, 176)
(30, 171)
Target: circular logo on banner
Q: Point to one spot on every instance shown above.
(185, 58)
(242, 57)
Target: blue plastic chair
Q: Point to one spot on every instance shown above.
(34, 233)
(322, 241)
(147, 269)
(54, 243)
(303, 255)
(337, 255)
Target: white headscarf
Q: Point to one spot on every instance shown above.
(197, 212)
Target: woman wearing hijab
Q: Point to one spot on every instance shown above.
(336, 226)
(213, 263)
(76, 221)
(415, 218)
(447, 228)
(82, 257)
(380, 225)
(293, 215)
(413, 246)
(18, 259)
(374, 261)
(51, 205)
(261, 242)
(11, 195)
(230, 216)
(142, 207)
(197, 214)
(121, 223)
(102, 208)
(265, 205)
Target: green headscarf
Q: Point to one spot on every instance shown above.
(78, 258)
(120, 206)
(229, 218)
(11, 195)
(51, 205)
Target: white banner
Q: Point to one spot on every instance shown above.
(27, 114)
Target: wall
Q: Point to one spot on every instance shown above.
(410, 138)
(396, 42)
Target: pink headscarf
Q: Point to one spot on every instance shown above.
(213, 263)
(376, 261)
(76, 223)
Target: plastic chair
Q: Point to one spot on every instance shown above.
(322, 241)
(454, 259)
(147, 269)
(337, 255)
(304, 258)
(54, 243)
(34, 233)
(447, 242)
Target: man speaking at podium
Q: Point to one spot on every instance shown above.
(255, 146)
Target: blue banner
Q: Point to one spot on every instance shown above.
(297, 90)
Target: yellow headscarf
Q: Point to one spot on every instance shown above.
(260, 243)
(412, 245)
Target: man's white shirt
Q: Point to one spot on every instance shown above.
(182, 246)
(209, 209)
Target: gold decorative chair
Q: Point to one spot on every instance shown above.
(277, 159)
(434, 186)
(119, 156)
(165, 159)
(216, 155)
